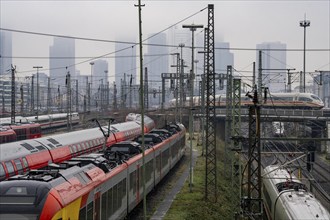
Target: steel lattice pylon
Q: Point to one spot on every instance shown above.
(211, 162)
(228, 125)
(252, 200)
(237, 145)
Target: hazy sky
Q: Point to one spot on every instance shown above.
(241, 23)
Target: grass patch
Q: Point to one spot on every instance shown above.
(192, 205)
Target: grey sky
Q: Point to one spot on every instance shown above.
(241, 23)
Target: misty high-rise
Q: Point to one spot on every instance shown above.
(62, 60)
(125, 63)
(223, 57)
(273, 65)
(100, 73)
(5, 52)
(156, 59)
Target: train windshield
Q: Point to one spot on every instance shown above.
(22, 199)
(19, 216)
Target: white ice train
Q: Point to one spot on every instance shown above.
(280, 100)
(285, 197)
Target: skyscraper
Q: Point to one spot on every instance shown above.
(100, 73)
(156, 59)
(273, 65)
(223, 57)
(125, 62)
(5, 52)
(62, 60)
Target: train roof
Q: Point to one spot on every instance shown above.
(277, 175)
(18, 149)
(299, 203)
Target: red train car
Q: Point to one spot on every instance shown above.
(7, 135)
(20, 156)
(94, 186)
(27, 131)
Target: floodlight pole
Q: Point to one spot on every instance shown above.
(37, 67)
(192, 28)
(305, 23)
(142, 111)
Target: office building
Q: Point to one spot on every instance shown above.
(62, 60)
(5, 52)
(273, 65)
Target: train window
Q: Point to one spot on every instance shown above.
(115, 198)
(17, 190)
(104, 206)
(82, 214)
(305, 99)
(25, 163)
(10, 167)
(90, 211)
(149, 170)
(110, 202)
(19, 166)
(315, 97)
(132, 181)
(21, 134)
(79, 147)
(158, 163)
(120, 194)
(124, 187)
(74, 148)
(2, 171)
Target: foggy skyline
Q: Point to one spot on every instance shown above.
(243, 24)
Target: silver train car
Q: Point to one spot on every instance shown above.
(286, 197)
(46, 121)
(295, 100)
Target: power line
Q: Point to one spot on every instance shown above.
(162, 45)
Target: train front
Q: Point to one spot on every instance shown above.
(27, 200)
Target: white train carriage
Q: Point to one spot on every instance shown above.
(281, 100)
(46, 121)
(285, 197)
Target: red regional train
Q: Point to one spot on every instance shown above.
(21, 131)
(94, 186)
(21, 156)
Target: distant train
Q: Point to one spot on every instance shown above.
(278, 128)
(94, 186)
(21, 156)
(285, 197)
(46, 121)
(279, 100)
(11, 133)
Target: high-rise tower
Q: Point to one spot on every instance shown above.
(62, 60)
(273, 65)
(5, 52)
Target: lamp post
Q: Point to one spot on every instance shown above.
(91, 88)
(37, 67)
(192, 28)
(305, 23)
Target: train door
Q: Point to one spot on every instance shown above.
(97, 205)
